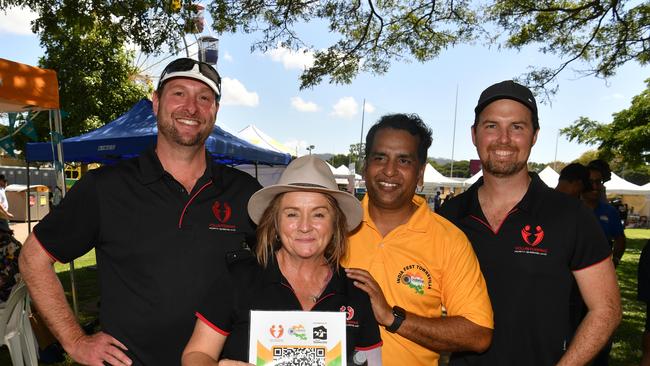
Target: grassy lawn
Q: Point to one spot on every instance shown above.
(627, 339)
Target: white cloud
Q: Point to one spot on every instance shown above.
(16, 20)
(300, 59)
(235, 93)
(304, 106)
(346, 107)
(227, 56)
(370, 108)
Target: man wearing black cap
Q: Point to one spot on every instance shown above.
(574, 180)
(163, 226)
(531, 241)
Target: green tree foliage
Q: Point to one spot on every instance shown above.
(95, 75)
(339, 159)
(369, 34)
(626, 137)
(461, 168)
(602, 34)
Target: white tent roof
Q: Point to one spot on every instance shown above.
(471, 180)
(343, 170)
(431, 175)
(549, 176)
(618, 185)
(646, 186)
(255, 136)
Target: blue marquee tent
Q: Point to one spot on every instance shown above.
(136, 130)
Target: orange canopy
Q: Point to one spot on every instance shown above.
(24, 88)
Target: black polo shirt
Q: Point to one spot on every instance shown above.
(249, 287)
(158, 247)
(527, 263)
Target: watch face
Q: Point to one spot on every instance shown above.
(399, 312)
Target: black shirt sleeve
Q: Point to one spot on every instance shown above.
(591, 245)
(217, 308)
(71, 229)
(369, 336)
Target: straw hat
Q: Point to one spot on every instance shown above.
(308, 174)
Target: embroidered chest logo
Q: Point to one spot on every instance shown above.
(222, 212)
(532, 238)
(276, 331)
(416, 277)
(349, 310)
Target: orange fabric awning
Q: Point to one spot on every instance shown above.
(24, 88)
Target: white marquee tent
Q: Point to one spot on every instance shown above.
(618, 185)
(549, 176)
(257, 137)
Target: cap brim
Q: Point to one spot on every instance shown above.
(192, 75)
(348, 204)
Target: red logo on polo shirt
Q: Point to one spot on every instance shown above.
(276, 331)
(221, 212)
(532, 239)
(349, 310)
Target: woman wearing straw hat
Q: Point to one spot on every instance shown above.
(303, 223)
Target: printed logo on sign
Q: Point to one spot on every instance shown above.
(276, 331)
(319, 333)
(222, 212)
(532, 239)
(298, 331)
(416, 277)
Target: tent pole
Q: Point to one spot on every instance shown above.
(256, 177)
(29, 207)
(59, 149)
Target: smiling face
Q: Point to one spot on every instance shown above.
(306, 224)
(392, 170)
(504, 136)
(186, 112)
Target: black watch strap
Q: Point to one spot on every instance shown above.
(400, 315)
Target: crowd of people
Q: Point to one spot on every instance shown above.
(509, 272)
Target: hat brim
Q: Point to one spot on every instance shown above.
(348, 204)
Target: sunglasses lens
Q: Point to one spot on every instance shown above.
(187, 64)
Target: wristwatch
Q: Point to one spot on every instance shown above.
(400, 315)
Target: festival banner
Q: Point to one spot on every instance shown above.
(7, 144)
(297, 338)
(28, 129)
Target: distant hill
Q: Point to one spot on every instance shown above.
(324, 156)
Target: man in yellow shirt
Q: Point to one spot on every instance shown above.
(411, 261)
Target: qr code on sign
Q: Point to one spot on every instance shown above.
(299, 356)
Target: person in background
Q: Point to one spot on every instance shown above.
(303, 225)
(531, 242)
(437, 201)
(163, 225)
(607, 215)
(411, 261)
(574, 180)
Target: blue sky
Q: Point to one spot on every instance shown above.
(262, 89)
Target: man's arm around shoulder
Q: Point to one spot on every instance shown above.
(449, 334)
(36, 267)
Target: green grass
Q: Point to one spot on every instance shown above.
(627, 339)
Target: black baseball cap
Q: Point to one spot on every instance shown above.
(507, 89)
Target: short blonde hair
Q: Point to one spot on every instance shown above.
(268, 238)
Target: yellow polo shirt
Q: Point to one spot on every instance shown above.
(421, 265)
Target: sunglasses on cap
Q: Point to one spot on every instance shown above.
(189, 68)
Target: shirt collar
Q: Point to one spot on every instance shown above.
(151, 168)
(471, 206)
(273, 275)
(417, 221)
